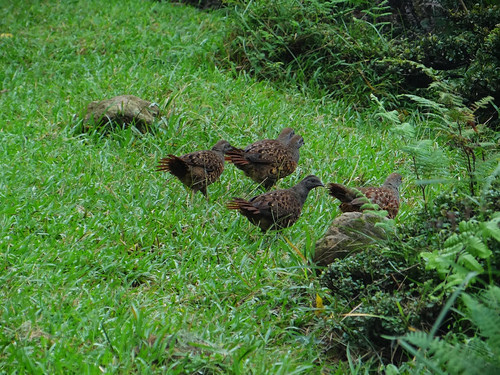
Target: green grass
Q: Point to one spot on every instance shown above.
(99, 253)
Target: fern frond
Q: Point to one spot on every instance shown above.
(430, 161)
(427, 103)
(470, 264)
(479, 354)
(492, 228)
(420, 339)
(392, 116)
(477, 247)
(462, 252)
(485, 314)
(482, 103)
(405, 129)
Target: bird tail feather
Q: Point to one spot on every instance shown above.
(172, 164)
(341, 192)
(242, 205)
(237, 157)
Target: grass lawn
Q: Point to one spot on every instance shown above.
(108, 266)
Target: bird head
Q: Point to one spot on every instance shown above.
(394, 180)
(296, 142)
(311, 182)
(286, 135)
(222, 146)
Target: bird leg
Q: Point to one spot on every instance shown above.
(205, 193)
(190, 197)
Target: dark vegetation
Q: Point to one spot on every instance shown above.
(386, 291)
(377, 293)
(350, 49)
(202, 4)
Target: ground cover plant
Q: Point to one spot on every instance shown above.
(109, 266)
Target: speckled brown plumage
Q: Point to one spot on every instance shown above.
(277, 209)
(197, 169)
(268, 160)
(386, 196)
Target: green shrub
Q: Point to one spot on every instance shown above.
(384, 292)
(464, 252)
(444, 141)
(353, 48)
(463, 49)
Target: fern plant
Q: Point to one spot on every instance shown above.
(452, 120)
(448, 120)
(430, 163)
(458, 354)
(462, 252)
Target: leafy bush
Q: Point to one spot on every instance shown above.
(469, 236)
(471, 153)
(463, 49)
(353, 48)
(462, 253)
(385, 292)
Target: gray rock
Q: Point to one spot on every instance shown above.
(350, 232)
(122, 110)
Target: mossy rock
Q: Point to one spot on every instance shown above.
(121, 111)
(349, 233)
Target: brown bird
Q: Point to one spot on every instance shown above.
(277, 209)
(386, 196)
(268, 160)
(197, 169)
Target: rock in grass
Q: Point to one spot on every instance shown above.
(121, 111)
(349, 233)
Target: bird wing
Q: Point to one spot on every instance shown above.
(276, 204)
(384, 197)
(277, 154)
(202, 159)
